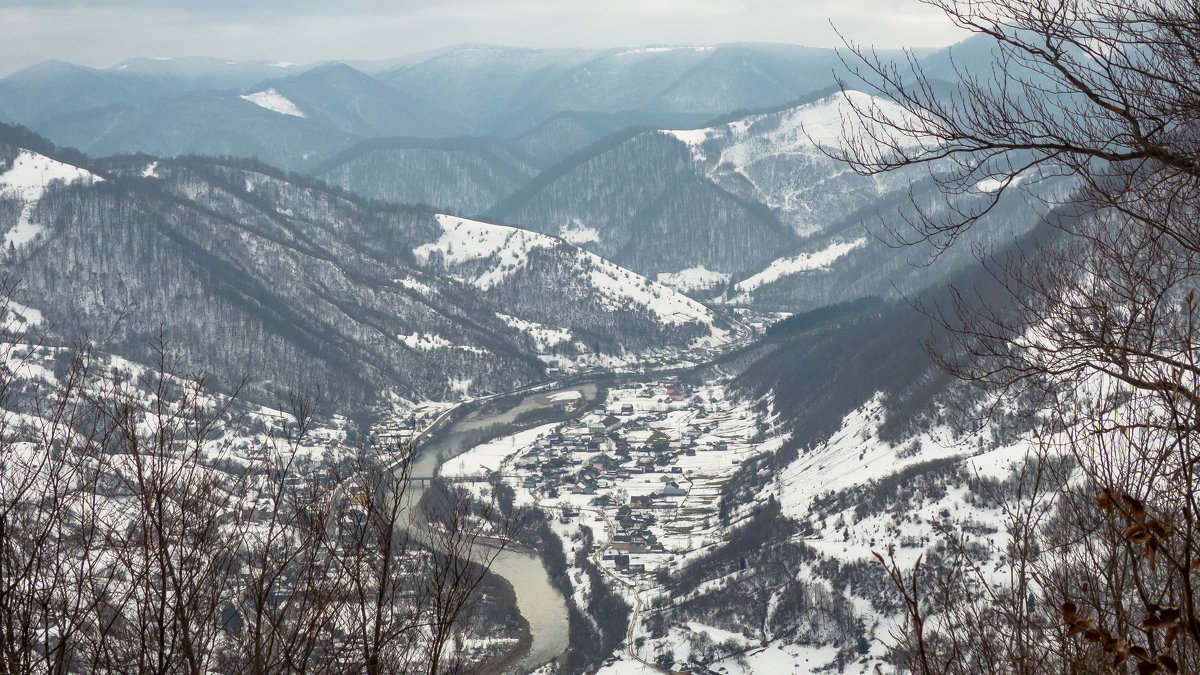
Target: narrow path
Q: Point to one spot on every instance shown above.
(610, 530)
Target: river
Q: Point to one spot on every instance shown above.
(538, 600)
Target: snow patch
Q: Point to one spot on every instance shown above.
(855, 455)
(464, 241)
(459, 386)
(275, 102)
(508, 250)
(660, 50)
(490, 456)
(427, 342)
(27, 179)
(31, 173)
(577, 233)
(805, 262)
(693, 279)
(992, 185)
(424, 342)
(22, 315)
(151, 170)
(545, 336)
(693, 138)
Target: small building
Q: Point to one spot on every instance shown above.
(672, 490)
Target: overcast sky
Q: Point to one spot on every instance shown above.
(104, 33)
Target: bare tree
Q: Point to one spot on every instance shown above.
(466, 537)
(1095, 320)
(133, 538)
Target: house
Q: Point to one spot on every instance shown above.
(529, 483)
(603, 462)
(672, 490)
(642, 500)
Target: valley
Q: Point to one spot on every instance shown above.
(662, 359)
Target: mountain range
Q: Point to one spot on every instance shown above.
(251, 272)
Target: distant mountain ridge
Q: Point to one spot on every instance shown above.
(465, 90)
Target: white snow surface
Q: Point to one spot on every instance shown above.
(19, 315)
(27, 179)
(275, 102)
(30, 174)
(827, 122)
(577, 233)
(425, 342)
(489, 456)
(693, 279)
(464, 241)
(693, 138)
(991, 185)
(660, 50)
(805, 262)
(855, 455)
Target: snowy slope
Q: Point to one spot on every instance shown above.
(506, 251)
(804, 262)
(275, 102)
(697, 278)
(30, 173)
(778, 156)
(355, 297)
(782, 159)
(27, 178)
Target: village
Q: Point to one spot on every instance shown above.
(643, 472)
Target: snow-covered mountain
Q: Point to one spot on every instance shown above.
(250, 272)
(753, 209)
(640, 201)
(467, 90)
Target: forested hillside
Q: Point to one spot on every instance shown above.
(295, 284)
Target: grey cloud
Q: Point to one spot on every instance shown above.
(104, 33)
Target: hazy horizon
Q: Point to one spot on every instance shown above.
(102, 35)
